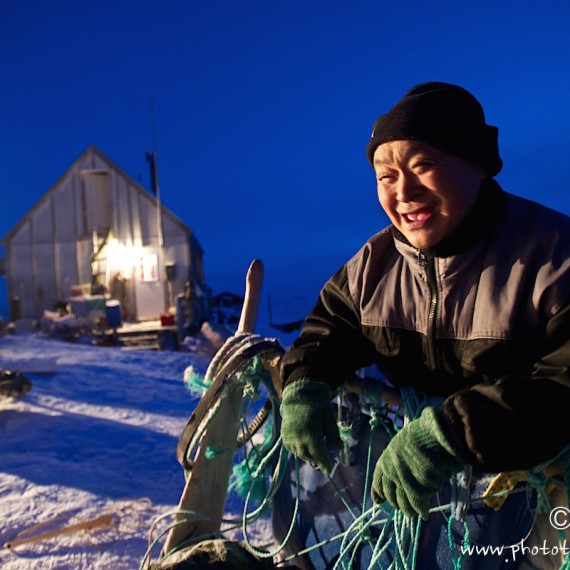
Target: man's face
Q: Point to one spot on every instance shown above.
(426, 192)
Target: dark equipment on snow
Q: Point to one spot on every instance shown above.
(13, 384)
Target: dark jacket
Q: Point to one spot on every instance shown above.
(483, 320)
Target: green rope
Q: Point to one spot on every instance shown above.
(246, 477)
(374, 420)
(250, 374)
(399, 535)
(537, 481)
(245, 483)
(392, 538)
(212, 452)
(457, 561)
(195, 382)
(282, 461)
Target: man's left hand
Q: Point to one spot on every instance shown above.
(414, 465)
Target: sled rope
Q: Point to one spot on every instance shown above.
(399, 534)
(238, 362)
(282, 463)
(386, 531)
(244, 478)
(189, 516)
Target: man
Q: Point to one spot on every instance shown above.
(466, 296)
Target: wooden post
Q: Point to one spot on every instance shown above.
(253, 281)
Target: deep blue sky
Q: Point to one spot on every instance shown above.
(263, 110)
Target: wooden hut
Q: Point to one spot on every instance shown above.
(98, 233)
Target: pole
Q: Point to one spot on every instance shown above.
(162, 269)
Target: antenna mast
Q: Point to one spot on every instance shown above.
(156, 187)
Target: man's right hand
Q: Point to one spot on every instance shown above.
(309, 422)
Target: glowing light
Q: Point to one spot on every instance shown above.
(122, 258)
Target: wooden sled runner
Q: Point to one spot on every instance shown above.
(321, 523)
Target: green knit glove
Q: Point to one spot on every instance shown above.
(309, 422)
(414, 465)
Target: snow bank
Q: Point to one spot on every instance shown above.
(96, 437)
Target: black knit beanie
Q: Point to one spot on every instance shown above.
(444, 116)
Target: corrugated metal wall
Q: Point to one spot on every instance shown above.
(50, 250)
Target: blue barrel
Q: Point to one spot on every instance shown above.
(113, 312)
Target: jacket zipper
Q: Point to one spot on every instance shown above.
(432, 353)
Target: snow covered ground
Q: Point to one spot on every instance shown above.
(96, 437)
